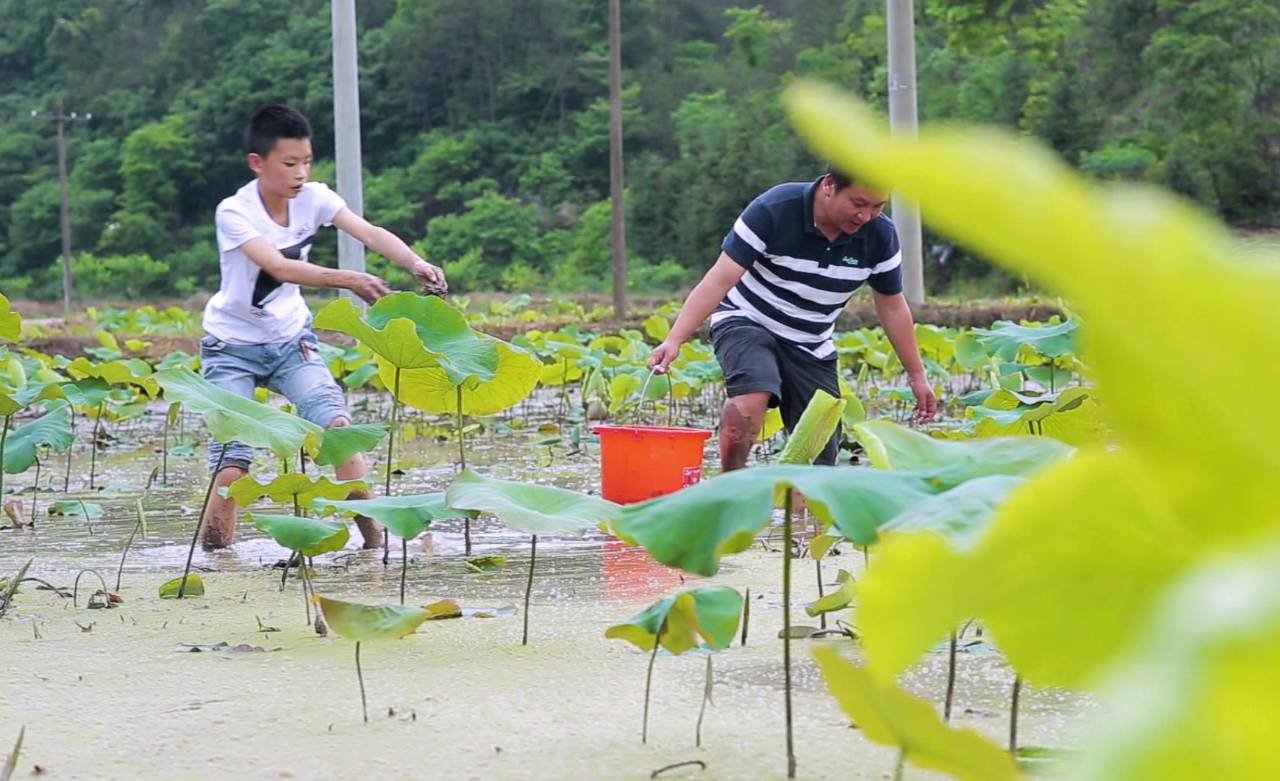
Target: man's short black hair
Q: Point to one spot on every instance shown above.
(271, 123)
(841, 179)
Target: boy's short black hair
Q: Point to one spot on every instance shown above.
(841, 179)
(272, 123)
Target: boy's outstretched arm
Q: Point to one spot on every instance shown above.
(389, 245)
(300, 272)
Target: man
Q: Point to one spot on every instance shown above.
(789, 265)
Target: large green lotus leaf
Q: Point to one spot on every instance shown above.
(366, 622)
(813, 430)
(405, 516)
(230, 417)
(12, 402)
(702, 616)
(290, 485)
(693, 527)
(309, 536)
(1072, 416)
(961, 515)
(1119, 254)
(887, 715)
(1090, 539)
(415, 332)
(1004, 339)
(87, 392)
(890, 446)
(1195, 696)
(22, 445)
(10, 321)
(529, 507)
(342, 442)
(433, 391)
(127, 371)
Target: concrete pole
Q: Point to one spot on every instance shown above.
(65, 214)
(619, 226)
(902, 121)
(346, 126)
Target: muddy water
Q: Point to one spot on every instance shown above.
(119, 693)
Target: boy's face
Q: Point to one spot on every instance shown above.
(285, 168)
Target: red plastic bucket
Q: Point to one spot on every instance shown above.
(641, 462)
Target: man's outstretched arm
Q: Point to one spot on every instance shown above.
(702, 301)
(895, 317)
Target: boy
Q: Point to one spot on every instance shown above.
(791, 262)
(257, 327)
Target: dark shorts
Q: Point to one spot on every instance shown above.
(756, 361)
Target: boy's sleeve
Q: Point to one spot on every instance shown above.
(233, 229)
(886, 274)
(328, 203)
(748, 239)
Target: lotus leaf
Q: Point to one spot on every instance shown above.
(692, 528)
(1004, 339)
(706, 617)
(890, 446)
(405, 516)
(131, 371)
(195, 587)
(15, 401)
(839, 599)
(885, 714)
(10, 321)
(529, 507)
(22, 444)
(291, 485)
(231, 417)
(308, 536)
(434, 391)
(814, 429)
(365, 622)
(74, 507)
(342, 442)
(961, 515)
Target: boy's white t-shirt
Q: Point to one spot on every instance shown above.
(251, 306)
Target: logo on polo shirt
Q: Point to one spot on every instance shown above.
(849, 261)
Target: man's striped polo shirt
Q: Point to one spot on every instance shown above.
(796, 281)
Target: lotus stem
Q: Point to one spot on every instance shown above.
(128, 542)
(648, 682)
(164, 452)
(1013, 716)
(706, 697)
(897, 768)
(93, 443)
(391, 438)
(75, 588)
(822, 617)
(307, 590)
(66, 481)
(951, 680)
(786, 629)
(746, 616)
(528, 589)
(462, 460)
(404, 566)
(4, 435)
(204, 507)
(364, 704)
(35, 487)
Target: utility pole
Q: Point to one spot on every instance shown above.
(619, 227)
(346, 126)
(62, 118)
(902, 121)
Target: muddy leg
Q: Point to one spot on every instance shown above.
(740, 423)
(220, 517)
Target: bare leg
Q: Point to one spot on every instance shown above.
(355, 468)
(739, 426)
(220, 518)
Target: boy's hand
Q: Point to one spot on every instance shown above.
(367, 286)
(429, 276)
(663, 355)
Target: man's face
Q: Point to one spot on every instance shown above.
(285, 168)
(852, 207)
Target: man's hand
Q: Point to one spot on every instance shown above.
(429, 276)
(926, 402)
(367, 286)
(663, 355)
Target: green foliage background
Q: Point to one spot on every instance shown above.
(485, 123)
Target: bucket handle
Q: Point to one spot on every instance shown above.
(671, 401)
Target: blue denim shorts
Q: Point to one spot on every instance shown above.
(294, 369)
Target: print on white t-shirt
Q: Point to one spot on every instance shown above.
(251, 306)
